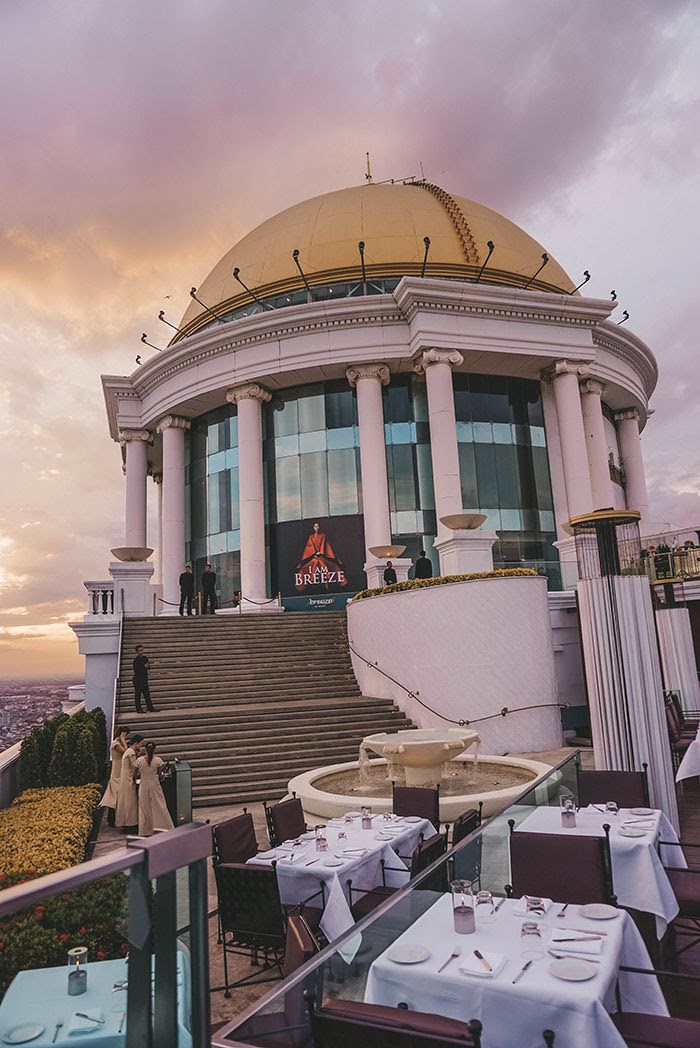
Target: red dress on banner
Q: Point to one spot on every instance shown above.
(319, 565)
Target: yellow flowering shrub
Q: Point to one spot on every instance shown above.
(46, 830)
(442, 580)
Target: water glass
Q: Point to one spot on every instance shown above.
(531, 945)
(388, 816)
(321, 840)
(485, 908)
(534, 905)
(366, 818)
(568, 811)
(612, 807)
(463, 907)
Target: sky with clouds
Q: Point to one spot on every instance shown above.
(141, 140)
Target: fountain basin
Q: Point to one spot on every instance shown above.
(420, 752)
(320, 803)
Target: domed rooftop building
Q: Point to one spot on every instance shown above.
(361, 367)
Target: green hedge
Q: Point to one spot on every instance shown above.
(64, 751)
(443, 580)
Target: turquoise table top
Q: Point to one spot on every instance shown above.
(41, 996)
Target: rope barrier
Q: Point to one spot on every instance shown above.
(463, 723)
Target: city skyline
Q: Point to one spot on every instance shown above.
(146, 141)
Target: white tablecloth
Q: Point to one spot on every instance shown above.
(639, 878)
(690, 765)
(517, 1014)
(298, 881)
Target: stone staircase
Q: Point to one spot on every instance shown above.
(250, 701)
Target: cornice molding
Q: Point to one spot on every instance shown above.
(379, 372)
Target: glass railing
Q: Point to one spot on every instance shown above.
(341, 970)
(113, 950)
(672, 564)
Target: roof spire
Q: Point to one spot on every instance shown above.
(368, 176)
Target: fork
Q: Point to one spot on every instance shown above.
(455, 953)
(571, 956)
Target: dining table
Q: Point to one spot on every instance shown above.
(357, 856)
(690, 765)
(431, 968)
(640, 881)
(40, 996)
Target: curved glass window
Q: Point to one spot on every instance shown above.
(504, 467)
(212, 522)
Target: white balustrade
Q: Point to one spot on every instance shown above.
(100, 598)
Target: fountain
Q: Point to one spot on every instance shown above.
(420, 753)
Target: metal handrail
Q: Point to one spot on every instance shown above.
(119, 666)
(463, 723)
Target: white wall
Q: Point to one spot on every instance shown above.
(568, 660)
(469, 649)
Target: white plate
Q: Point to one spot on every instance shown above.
(642, 811)
(23, 1033)
(573, 970)
(352, 814)
(632, 831)
(598, 911)
(333, 861)
(408, 954)
(266, 854)
(412, 818)
(384, 836)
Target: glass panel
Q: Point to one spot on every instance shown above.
(286, 421)
(483, 432)
(341, 438)
(287, 446)
(314, 485)
(485, 459)
(315, 441)
(404, 481)
(216, 462)
(342, 481)
(288, 489)
(467, 472)
(312, 411)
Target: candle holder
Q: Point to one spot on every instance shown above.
(77, 971)
(321, 839)
(366, 818)
(463, 907)
(568, 812)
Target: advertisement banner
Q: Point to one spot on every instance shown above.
(318, 557)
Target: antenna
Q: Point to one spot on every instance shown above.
(422, 172)
(368, 176)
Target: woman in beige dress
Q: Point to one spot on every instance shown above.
(116, 751)
(127, 800)
(153, 811)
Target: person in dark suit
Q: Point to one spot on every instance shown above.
(423, 569)
(389, 574)
(186, 590)
(141, 667)
(208, 590)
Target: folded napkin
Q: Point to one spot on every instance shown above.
(594, 946)
(520, 908)
(471, 965)
(79, 1025)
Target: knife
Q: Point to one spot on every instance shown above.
(588, 938)
(480, 957)
(499, 904)
(522, 972)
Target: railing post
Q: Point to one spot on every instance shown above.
(199, 945)
(139, 1002)
(165, 988)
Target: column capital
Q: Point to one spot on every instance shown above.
(627, 413)
(437, 356)
(126, 436)
(172, 422)
(594, 387)
(157, 478)
(358, 371)
(248, 391)
(564, 367)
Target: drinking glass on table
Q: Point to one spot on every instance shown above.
(484, 908)
(531, 945)
(366, 818)
(321, 839)
(463, 907)
(568, 811)
(612, 807)
(348, 820)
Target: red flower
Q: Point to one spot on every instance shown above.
(100, 955)
(124, 947)
(63, 936)
(40, 912)
(82, 931)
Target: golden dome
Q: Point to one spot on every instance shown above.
(392, 220)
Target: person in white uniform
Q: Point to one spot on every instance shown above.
(153, 811)
(127, 800)
(116, 752)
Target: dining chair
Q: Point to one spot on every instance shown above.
(689, 720)
(301, 943)
(422, 801)
(629, 789)
(641, 1030)
(253, 918)
(678, 742)
(347, 1024)
(569, 868)
(466, 823)
(234, 839)
(677, 719)
(285, 820)
(686, 887)
(424, 855)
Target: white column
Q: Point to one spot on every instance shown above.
(158, 481)
(564, 377)
(678, 655)
(631, 454)
(173, 429)
(368, 379)
(136, 443)
(249, 399)
(596, 443)
(438, 364)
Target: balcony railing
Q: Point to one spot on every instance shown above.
(671, 565)
(101, 598)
